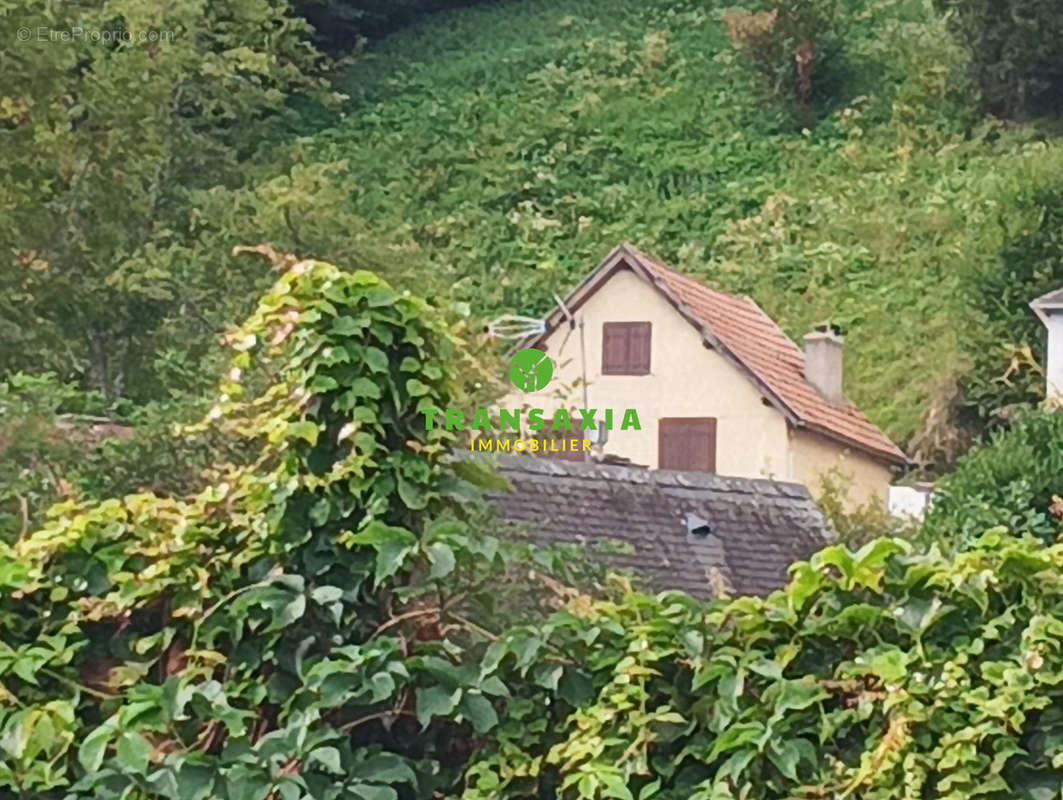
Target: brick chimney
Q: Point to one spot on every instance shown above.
(823, 362)
(1049, 309)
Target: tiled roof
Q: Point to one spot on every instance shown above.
(758, 527)
(760, 345)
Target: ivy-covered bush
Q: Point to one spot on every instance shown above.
(880, 674)
(1013, 480)
(301, 627)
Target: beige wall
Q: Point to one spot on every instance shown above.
(686, 379)
(814, 455)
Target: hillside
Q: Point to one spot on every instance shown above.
(507, 148)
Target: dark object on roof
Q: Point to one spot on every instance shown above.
(691, 531)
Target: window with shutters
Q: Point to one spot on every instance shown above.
(687, 443)
(626, 348)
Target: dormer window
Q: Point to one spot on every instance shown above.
(626, 348)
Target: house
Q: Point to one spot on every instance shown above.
(717, 385)
(695, 532)
(1049, 309)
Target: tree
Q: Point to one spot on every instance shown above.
(110, 118)
(1014, 51)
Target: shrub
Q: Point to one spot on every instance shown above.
(305, 625)
(1012, 480)
(1030, 263)
(855, 525)
(878, 674)
(788, 45)
(1015, 54)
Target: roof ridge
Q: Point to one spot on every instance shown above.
(663, 477)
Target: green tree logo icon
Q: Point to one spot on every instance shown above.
(530, 370)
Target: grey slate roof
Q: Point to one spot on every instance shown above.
(758, 527)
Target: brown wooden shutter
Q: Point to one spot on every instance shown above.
(639, 348)
(626, 348)
(687, 443)
(614, 348)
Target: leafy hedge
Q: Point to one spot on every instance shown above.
(877, 674)
(293, 622)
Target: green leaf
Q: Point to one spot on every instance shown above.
(293, 611)
(195, 782)
(798, 694)
(376, 359)
(614, 786)
(478, 710)
(650, 789)
(548, 675)
(784, 755)
(575, 687)
(371, 792)
(303, 430)
(323, 383)
(329, 758)
(888, 663)
(417, 388)
(94, 746)
(326, 594)
(384, 768)
(435, 701)
(392, 546)
(133, 752)
(390, 557)
(411, 494)
(737, 735)
(441, 558)
(377, 533)
(348, 326)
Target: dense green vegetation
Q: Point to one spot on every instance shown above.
(279, 586)
(1011, 481)
(333, 621)
(494, 153)
(512, 165)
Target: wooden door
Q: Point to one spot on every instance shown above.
(687, 443)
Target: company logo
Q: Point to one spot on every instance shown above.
(531, 370)
(532, 430)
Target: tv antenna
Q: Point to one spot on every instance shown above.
(514, 326)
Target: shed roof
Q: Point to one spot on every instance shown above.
(757, 527)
